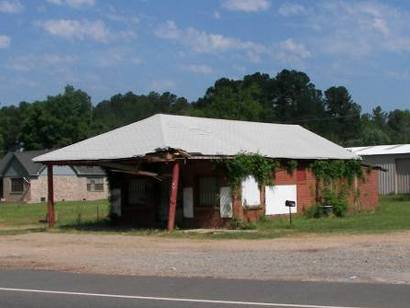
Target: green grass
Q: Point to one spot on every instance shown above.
(392, 214)
(18, 217)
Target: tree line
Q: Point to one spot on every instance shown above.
(290, 97)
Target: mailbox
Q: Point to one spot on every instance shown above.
(290, 203)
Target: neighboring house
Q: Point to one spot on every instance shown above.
(168, 160)
(22, 180)
(395, 160)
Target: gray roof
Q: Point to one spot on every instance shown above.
(88, 170)
(201, 136)
(4, 162)
(25, 159)
(381, 149)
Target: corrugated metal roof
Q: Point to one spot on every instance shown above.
(202, 136)
(381, 149)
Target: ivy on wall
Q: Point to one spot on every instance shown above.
(261, 168)
(331, 170)
(245, 164)
(329, 192)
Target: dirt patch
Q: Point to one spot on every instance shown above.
(375, 258)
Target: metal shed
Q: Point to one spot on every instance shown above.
(395, 160)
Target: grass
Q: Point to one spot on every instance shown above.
(19, 217)
(392, 214)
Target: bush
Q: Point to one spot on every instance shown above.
(337, 201)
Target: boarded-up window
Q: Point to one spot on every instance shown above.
(139, 191)
(225, 202)
(188, 202)
(95, 184)
(17, 185)
(208, 191)
(251, 197)
(276, 197)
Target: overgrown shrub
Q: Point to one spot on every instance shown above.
(338, 201)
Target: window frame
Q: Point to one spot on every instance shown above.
(12, 190)
(91, 184)
(197, 193)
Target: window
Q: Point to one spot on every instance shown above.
(95, 184)
(139, 191)
(208, 192)
(17, 185)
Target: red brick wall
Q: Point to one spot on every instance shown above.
(369, 192)
(302, 177)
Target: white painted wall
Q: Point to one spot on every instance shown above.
(251, 197)
(276, 196)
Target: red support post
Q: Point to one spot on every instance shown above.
(50, 199)
(173, 196)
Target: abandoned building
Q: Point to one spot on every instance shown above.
(162, 170)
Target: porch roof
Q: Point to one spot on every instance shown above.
(200, 137)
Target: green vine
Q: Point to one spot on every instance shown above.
(290, 166)
(244, 164)
(330, 192)
(329, 170)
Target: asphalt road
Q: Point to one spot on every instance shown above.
(25, 288)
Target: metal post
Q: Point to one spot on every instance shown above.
(290, 215)
(50, 200)
(173, 196)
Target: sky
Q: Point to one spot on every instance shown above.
(107, 47)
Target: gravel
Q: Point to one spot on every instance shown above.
(356, 258)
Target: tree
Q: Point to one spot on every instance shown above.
(398, 122)
(230, 99)
(344, 115)
(296, 100)
(128, 108)
(58, 121)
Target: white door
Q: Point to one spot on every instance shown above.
(276, 196)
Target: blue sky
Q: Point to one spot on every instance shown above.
(106, 47)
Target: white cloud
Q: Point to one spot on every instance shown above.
(11, 6)
(203, 42)
(217, 15)
(291, 9)
(4, 41)
(77, 29)
(246, 5)
(31, 62)
(73, 3)
(354, 29)
(202, 69)
(116, 56)
(292, 52)
(162, 85)
(116, 15)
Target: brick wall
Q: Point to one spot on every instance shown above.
(303, 178)
(68, 188)
(306, 193)
(8, 196)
